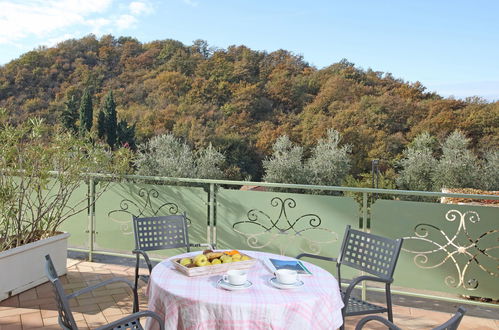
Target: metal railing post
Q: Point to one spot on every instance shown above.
(364, 228)
(91, 216)
(212, 239)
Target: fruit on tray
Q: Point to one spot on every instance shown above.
(201, 260)
(185, 261)
(209, 257)
(216, 262)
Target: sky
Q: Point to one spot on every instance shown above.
(451, 47)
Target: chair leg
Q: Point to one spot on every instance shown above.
(136, 287)
(389, 302)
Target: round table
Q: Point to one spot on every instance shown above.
(198, 303)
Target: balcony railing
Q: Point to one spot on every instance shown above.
(449, 250)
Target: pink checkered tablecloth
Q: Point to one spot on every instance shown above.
(197, 303)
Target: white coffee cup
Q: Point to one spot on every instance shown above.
(235, 277)
(286, 276)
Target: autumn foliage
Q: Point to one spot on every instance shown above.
(238, 99)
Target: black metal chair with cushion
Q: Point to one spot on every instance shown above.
(66, 319)
(369, 253)
(451, 324)
(159, 233)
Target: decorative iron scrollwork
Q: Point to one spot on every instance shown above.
(143, 206)
(454, 248)
(271, 229)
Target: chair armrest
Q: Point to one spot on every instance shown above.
(315, 256)
(146, 258)
(359, 279)
(201, 245)
(133, 317)
(98, 285)
(366, 319)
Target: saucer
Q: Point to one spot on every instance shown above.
(227, 286)
(298, 284)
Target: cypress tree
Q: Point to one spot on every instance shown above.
(101, 125)
(111, 120)
(126, 134)
(69, 115)
(86, 112)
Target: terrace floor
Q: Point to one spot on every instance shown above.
(36, 309)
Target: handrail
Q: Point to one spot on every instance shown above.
(291, 186)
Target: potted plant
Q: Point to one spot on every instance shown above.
(40, 168)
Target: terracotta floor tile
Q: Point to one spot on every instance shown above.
(50, 320)
(111, 311)
(112, 318)
(32, 320)
(28, 295)
(11, 327)
(91, 308)
(49, 311)
(10, 302)
(93, 300)
(37, 302)
(18, 311)
(95, 320)
(10, 319)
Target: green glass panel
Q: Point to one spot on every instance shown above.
(447, 248)
(77, 225)
(284, 223)
(116, 206)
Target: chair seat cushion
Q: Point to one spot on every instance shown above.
(358, 306)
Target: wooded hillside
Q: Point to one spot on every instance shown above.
(238, 99)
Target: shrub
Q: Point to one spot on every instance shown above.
(39, 171)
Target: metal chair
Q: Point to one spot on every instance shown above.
(66, 319)
(159, 233)
(451, 324)
(371, 254)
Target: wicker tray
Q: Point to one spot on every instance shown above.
(214, 269)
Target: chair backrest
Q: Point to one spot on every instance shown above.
(158, 233)
(370, 253)
(66, 319)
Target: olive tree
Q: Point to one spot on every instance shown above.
(418, 164)
(458, 167)
(328, 164)
(168, 156)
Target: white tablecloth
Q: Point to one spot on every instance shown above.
(197, 303)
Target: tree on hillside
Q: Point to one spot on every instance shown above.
(329, 163)
(166, 155)
(125, 135)
(101, 124)
(419, 164)
(111, 121)
(286, 163)
(86, 112)
(458, 166)
(69, 114)
(489, 176)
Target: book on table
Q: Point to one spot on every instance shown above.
(275, 264)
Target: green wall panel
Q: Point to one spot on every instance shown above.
(116, 206)
(447, 248)
(284, 223)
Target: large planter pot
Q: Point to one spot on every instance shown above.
(23, 267)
